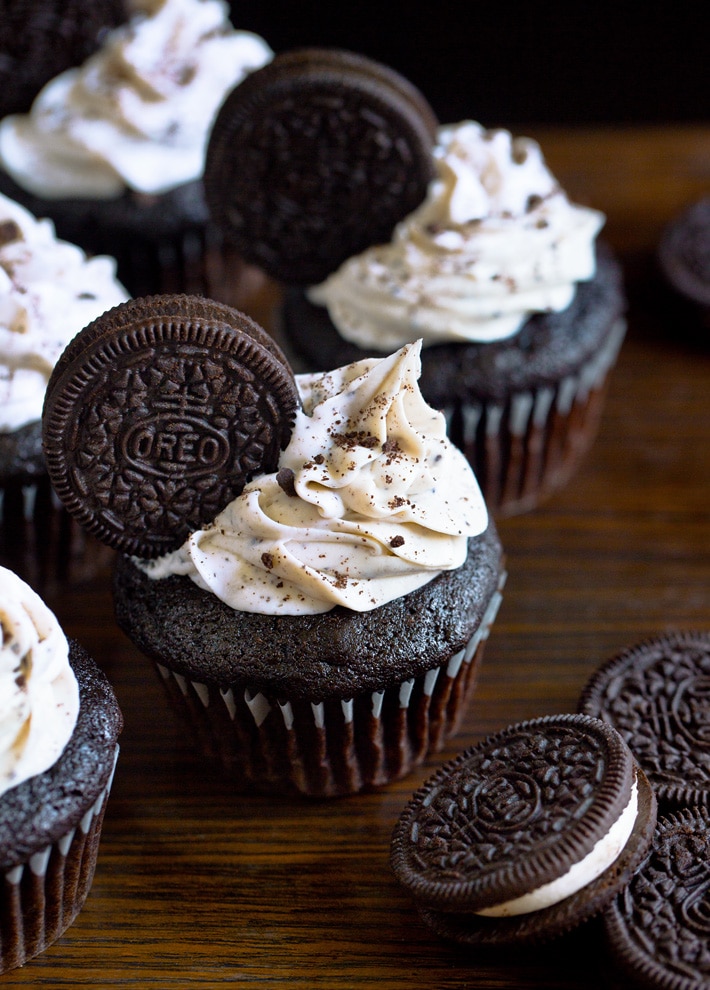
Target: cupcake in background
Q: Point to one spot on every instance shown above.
(59, 728)
(683, 257)
(113, 150)
(519, 309)
(39, 40)
(49, 290)
(321, 626)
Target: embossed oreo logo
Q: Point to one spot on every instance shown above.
(691, 708)
(164, 445)
(507, 801)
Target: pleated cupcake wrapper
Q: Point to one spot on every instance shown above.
(195, 261)
(41, 897)
(42, 542)
(21, 503)
(529, 446)
(333, 747)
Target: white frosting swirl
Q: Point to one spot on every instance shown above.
(39, 694)
(138, 113)
(49, 290)
(495, 241)
(371, 500)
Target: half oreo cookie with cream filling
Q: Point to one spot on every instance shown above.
(525, 835)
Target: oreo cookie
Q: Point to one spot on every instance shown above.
(525, 835)
(657, 695)
(684, 260)
(315, 157)
(658, 929)
(158, 413)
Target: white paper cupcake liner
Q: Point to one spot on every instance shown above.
(529, 446)
(338, 746)
(41, 897)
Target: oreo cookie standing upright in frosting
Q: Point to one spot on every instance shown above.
(658, 929)
(280, 179)
(158, 413)
(528, 833)
(657, 695)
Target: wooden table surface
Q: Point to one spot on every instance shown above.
(199, 888)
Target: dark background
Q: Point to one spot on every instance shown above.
(507, 63)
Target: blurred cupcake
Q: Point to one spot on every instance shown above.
(58, 747)
(113, 151)
(496, 271)
(322, 626)
(684, 261)
(49, 290)
(40, 39)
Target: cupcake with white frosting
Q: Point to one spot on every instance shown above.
(520, 311)
(49, 290)
(330, 172)
(113, 150)
(59, 726)
(323, 633)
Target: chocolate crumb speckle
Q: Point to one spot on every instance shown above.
(353, 439)
(9, 232)
(285, 478)
(396, 541)
(267, 560)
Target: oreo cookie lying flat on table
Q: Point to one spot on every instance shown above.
(158, 413)
(657, 695)
(528, 833)
(658, 929)
(315, 157)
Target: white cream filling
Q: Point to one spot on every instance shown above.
(580, 874)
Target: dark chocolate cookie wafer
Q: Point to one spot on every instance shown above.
(158, 413)
(41, 38)
(526, 834)
(658, 929)
(315, 157)
(657, 694)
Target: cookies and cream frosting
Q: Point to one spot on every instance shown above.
(495, 240)
(39, 694)
(49, 290)
(370, 501)
(137, 114)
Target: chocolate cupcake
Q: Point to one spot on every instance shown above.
(527, 834)
(60, 726)
(684, 262)
(48, 291)
(113, 151)
(308, 561)
(488, 262)
(41, 38)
